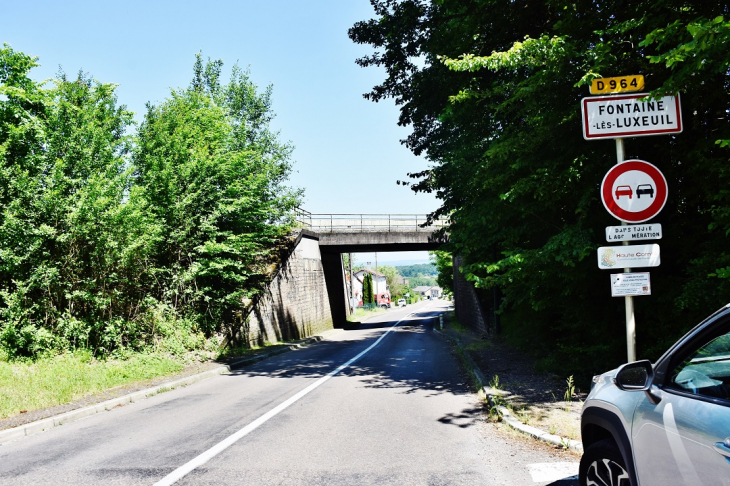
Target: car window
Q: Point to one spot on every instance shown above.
(707, 371)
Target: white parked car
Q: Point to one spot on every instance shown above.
(666, 423)
(401, 302)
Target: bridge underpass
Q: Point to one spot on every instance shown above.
(358, 233)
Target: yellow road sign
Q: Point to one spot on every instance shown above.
(620, 84)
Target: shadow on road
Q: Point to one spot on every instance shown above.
(420, 362)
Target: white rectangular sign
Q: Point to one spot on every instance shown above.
(626, 284)
(628, 256)
(626, 116)
(634, 232)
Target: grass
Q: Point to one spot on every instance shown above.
(454, 323)
(361, 312)
(46, 382)
(477, 346)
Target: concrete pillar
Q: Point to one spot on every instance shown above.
(334, 277)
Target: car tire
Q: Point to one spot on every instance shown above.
(603, 465)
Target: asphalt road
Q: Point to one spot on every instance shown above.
(381, 403)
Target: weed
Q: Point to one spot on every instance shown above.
(523, 415)
(496, 400)
(568, 397)
(553, 429)
(495, 414)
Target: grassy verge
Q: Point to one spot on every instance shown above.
(52, 381)
(49, 381)
(364, 313)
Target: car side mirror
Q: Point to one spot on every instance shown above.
(636, 376)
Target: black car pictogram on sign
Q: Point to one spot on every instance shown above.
(644, 189)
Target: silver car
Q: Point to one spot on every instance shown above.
(667, 423)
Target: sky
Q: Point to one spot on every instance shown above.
(347, 155)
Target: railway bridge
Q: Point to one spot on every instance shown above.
(309, 293)
(338, 234)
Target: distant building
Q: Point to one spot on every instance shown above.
(381, 290)
(428, 291)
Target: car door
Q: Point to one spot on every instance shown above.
(684, 438)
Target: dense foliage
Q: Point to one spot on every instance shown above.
(492, 92)
(419, 274)
(417, 270)
(444, 263)
(114, 239)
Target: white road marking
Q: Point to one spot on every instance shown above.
(547, 472)
(206, 456)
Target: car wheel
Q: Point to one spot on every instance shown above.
(603, 465)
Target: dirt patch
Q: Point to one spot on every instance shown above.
(536, 398)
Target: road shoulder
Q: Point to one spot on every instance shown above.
(35, 421)
(526, 400)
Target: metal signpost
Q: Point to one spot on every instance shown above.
(633, 191)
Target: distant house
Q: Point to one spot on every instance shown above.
(428, 291)
(380, 287)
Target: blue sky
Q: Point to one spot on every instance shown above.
(347, 154)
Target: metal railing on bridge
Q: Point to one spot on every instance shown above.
(361, 223)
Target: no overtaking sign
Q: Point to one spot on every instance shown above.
(634, 191)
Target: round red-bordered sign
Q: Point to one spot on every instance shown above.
(625, 184)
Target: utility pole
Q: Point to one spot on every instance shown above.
(376, 278)
(352, 295)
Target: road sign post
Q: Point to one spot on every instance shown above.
(622, 115)
(628, 300)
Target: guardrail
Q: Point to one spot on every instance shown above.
(362, 223)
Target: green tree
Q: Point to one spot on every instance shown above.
(71, 250)
(501, 128)
(213, 175)
(418, 270)
(367, 289)
(445, 265)
(392, 278)
(110, 241)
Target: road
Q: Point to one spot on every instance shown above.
(382, 403)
